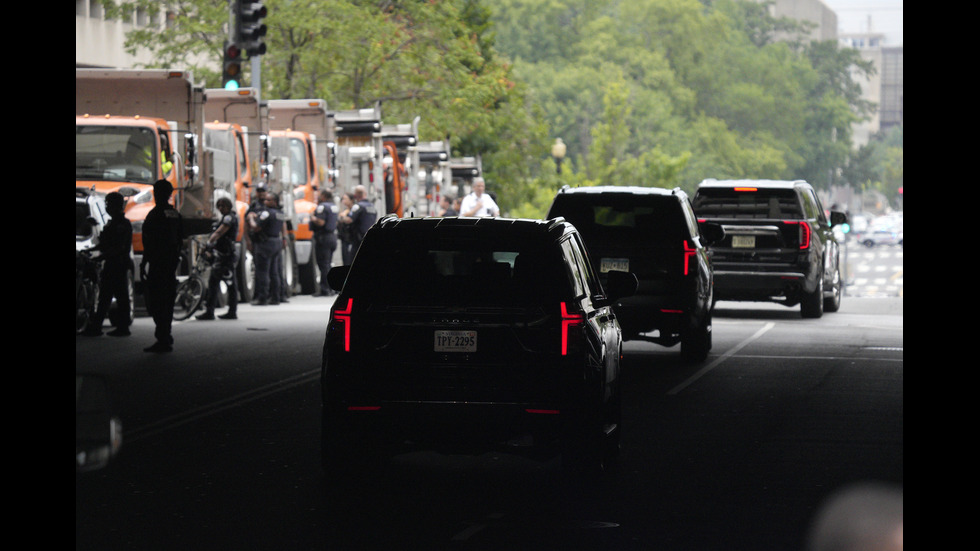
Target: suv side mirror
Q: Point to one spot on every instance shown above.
(837, 218)
(337, 276)
(620, 284)
(712, 232)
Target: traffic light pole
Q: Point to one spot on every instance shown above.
(257, 76)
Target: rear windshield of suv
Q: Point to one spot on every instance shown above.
(475, 270)
(763, 203)
(623, 217)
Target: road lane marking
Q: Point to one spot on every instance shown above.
(200, 412)
(720, 359)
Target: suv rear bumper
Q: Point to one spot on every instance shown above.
(645, 313)
(451, 427)
(756, 285)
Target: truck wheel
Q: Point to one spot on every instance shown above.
(309, 281)
(246, 276)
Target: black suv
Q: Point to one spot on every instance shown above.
(778, 243)
(465, 335)
(653, 233)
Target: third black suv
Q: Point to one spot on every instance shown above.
(653, 233)
(778, 243)
(468, 335)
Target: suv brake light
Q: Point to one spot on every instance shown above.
(688, 253)
(804, 238)
(568, 319)
(343, 316)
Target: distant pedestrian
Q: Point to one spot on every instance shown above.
(257, 205)
(221, 243)
(361, 217)
(478, 202)
(163, 237)
(345, 230)
(268, 245)
(448, 207)
(115, 248)
(324, 223)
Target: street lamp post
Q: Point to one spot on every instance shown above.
(558, 152)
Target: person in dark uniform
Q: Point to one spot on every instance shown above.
(268, 244)
(163, 236)
(324, 223)
(362, 216)
(115, 246)
(221, 242)
(277, 261)
(257, 205)
(345, 233)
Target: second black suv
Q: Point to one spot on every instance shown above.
(778, 246)
(468, 335)
(651, 232)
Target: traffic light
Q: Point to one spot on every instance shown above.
(231, 68)
(250, 28)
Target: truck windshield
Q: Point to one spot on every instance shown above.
(116, 153)
(297, 162)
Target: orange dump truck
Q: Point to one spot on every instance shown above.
(237, 123)
(299, 134)
(134, 127)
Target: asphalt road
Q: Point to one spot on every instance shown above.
(221, 446)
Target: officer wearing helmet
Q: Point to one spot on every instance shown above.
(221, 243)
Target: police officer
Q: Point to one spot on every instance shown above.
(221, 243)
(362, 216)
(257, 205)
(284, 241)
(267, 238)
(324, 223)
(115, 246)
(163, 236)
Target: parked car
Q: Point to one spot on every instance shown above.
(653, 233)
(465, 335)
(779, 245)
(881, 237)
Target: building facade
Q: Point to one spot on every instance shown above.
(100, 39)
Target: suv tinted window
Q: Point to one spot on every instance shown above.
(626, 218)
(412, 269)
(763, 203)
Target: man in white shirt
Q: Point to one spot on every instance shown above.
(479, 203)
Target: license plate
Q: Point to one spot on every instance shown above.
(455, 341)
(743, 241)
(620, 264)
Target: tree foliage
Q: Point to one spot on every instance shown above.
(643, 92)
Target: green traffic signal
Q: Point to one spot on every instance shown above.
(231, 68)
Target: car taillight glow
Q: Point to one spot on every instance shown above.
(343, 316)
(688, 253)
(746, 189)
(804, 232)
(568, 319)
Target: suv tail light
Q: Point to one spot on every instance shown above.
(568, 320)
(804, 237)
(688, 253)
(343, 317)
